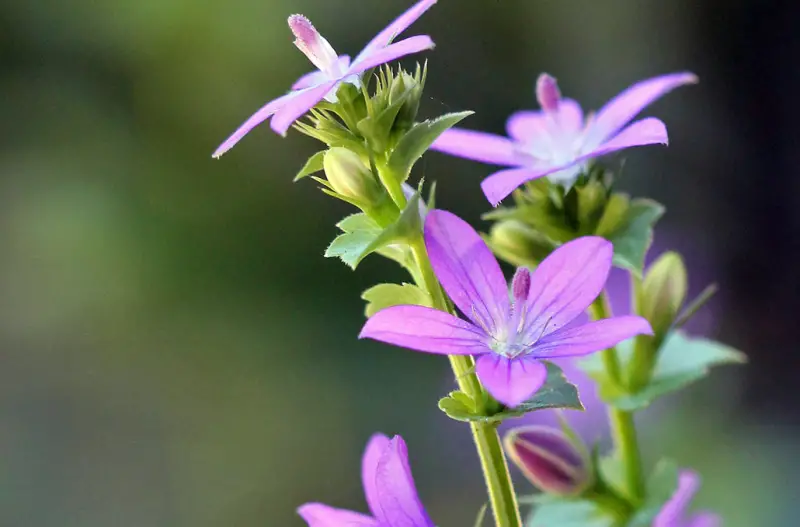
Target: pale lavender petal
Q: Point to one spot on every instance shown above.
(257, 118)
(528, 125)
(704, 519)
(399, 25)
(625, 106)
(480, 146)
(299, 106)
(397, 495)
(510, 381)
(648, 131)
(565, 283)
(315, 78)
(499, 185)
(590, 337)
(391, 52)
(467, 269)
(424, 329)
(319, 515)
(675, 508)
(377, 445)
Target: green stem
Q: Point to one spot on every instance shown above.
(502, 497)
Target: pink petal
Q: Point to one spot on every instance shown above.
(480, 146)
(257, 118)
(378, 444)
(400, 24)
(398, 499)
(424, 329)
(467, 269)
(566, 282)
(528, 125)
(590, 337)
(299, 106)
(704, 519)
(510, 381)
(502, 183)
(674, 510)
(625, 106)
(319, 515)
(648, 131)
(315, 78)
(390, 53)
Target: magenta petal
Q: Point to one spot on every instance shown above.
(502, 183)
(566, 282)
(674, 510)
(480, 146)
(467, 269)
(299, 106)
(704, 519)
(648, 131)
(376, 447)
(424, 329)
(319, 515)
(625, 106)
(391, 52)
(510, 381)
(528, 125)
(590, 337)
(315, 78)
(399, 25)
(397, 495)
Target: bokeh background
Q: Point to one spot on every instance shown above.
(177, 352)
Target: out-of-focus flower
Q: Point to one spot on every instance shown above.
(557, 141)
(508, 336)
(674, 512)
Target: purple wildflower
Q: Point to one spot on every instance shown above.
(507, 336)
(388, 487)
(557, 141)
(332, 71)
(674, 512)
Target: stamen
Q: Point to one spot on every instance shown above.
(547, 93)
(313, 45)
(521, 285)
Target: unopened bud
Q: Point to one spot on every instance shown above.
(350, 177)
(521, 284)
(549, 459)
(409, 88)
(547, 93)
(663, 291)
(518, 243)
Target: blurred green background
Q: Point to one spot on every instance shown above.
(177, 352)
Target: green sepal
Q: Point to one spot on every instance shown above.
(663, 291)
(550, 511)
(681, 361)
(382, 296)
(661, 485)
(632, 231)
(556, 392)
(312, 166)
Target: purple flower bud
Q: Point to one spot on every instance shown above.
(547, 93)
(521, 284)
(549, 459)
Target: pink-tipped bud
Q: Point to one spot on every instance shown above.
(521, 284)
(549, 459)
(312, 44)
(547, 93)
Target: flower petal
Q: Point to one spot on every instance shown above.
(590, 337)
(397, 496)
(675, 508)
(510, 381)
(391, 52)
(320, 515)
(624, 107)
(480, 146)
(299, 106)
(648, 131)
(399, 25)
(424, 329)
(315, 78)
(565, 283)
(499, 185)
(377, 445)
(704, 519)
(467, 269)
(528, 125)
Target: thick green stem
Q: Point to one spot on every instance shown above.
(502, 497)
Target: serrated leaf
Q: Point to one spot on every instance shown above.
(358, 222)
(634, 234)
(556, 392)
(382, 296)
(352, 247)
(312, 166)
(417, 140)
(569, 513)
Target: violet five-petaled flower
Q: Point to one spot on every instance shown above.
(333, 70)
(388, 487)
(557, 141)
(673, 514)
(507, 335)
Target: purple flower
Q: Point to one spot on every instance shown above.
(674, 512)
(557, 141)
(332, 70)
(388, 487)
(507, 335)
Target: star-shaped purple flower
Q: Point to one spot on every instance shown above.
(507, 335)
(388, 487)
(674, 512)
(333, 70)
(557, 141)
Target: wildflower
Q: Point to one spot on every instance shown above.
(388, 487)
(508, 336)
(333, 70)
(673, 514)
(557, 142)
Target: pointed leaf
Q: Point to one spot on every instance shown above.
(564, 512)
(382, 296)
(312, 166)
(634, 234)
(481, 515)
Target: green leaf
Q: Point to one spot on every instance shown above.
(612, 473)
(556, 392)
(312, 166)
(417, 140)
(561, 512)
(358, 222)
(352, 247)
(633, 234)
(661, 485)
(481, 515)
(382, 296)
